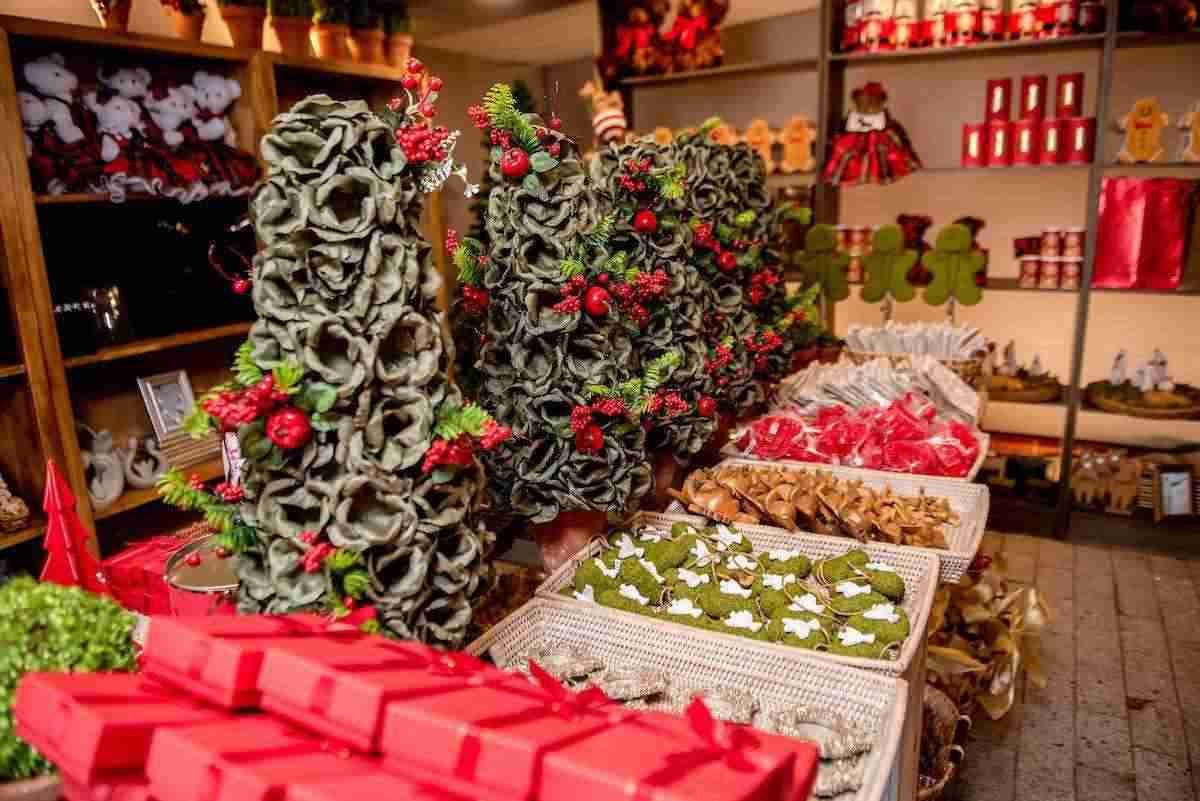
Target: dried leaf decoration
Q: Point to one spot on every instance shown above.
(983, 633)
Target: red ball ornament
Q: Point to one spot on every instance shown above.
(241, 286)
(415, 66)
(706, 406)
(289, 428)
(436, 84)
(410, 82)
(644, 222)
(428, 110)
(222, 553)
(556, 122)
(192, 559)
(595, 301)
(514, 163)
(727, 261)
(589, 440)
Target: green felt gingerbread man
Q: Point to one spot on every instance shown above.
(824, 264)
(887, 266)
(954, 263)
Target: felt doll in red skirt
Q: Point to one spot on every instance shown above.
(872, 148)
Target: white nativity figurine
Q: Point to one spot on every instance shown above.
(1117, 375)
(1158, 366)
(1143, 378)
(1009, 365)
(1036, 368)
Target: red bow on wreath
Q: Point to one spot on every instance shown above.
(563, 702)
(688, 31)
(732, 741)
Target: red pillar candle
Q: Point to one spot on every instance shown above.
(935, 23)
(1050, 272)
(1073, 242)
(1033, 96)
(974, 144)
(1026, 144)
(1080, 140)
(1068, 95)
(1072, 269)
(1053, 145)
(1047, 13)
(999, 99)
(999, 144)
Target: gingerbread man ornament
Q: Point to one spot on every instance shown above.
(761, 138)
(797, 139)
(724, 134)
(1189, 123)
(1143, 127)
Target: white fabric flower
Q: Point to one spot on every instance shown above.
(731, 587)
(649, 535)
(782, 554)
(742, 620)
(849, 589)
(743, 562)
(652, 569)
(626, 549)
(631, 592)
(776, 582)
(849, 636)
(693, 580)
(610, 572)
(684, 606)
(727, 537)
(879, 567)
(588, 594)
(801, 628)
(885, 612)
(701, 554)
(807, 603)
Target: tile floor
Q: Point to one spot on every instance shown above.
(1120, 718)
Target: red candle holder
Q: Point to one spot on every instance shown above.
(999, 144)
(999, 99)
(974, 144)
(1033, 96)
(1080, 140)
(1053, 148)
(1026, 144)
(1068, 95)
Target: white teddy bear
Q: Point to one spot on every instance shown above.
(215, 94)
(56, 84)
(34, 115)
(116, 120)
(128, 82)
(172, 111)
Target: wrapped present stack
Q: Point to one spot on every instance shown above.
(298, 708)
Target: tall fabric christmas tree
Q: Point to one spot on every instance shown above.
(362, 485)
(648, 186)
(557, 359)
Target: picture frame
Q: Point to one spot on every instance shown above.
(1174, 491)
(169, 400)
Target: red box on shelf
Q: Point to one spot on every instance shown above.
(1026, 144)
(218, 658)
(993, 24)
(999, 144)
(1068, 95)
(1080, 140)
(341, 691)
(525, 742)
(999, 100)
(247, 758)
(1023, 21)
(1052, 147)
(96, 727)
(1033, 96)
(974, 145)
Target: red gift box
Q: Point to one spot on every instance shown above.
(1026, 147)
(1033, 96)
(999, 100)
(96, 727)
(1068, 95)
(1053, 148)
(250, 758)
(1142, 230)
(131, 790)
(398, 784)
(999, 144)
(342, 691)
(136, 574)
(218, 658)
(974, 145)
(1080, 140)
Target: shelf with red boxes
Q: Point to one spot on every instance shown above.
(1079, 41)
(1034, 137)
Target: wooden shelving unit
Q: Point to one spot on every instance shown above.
(31, 531)
(1084, 40)
(38, 414)
(726, 71)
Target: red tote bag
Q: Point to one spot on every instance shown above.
(1143, 232)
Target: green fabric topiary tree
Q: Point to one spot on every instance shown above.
(362, 485)
(557, 362)
(45, 627)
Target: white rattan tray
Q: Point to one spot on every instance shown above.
(969, 501)
(985, 442)
(919, 571)
(700, 659)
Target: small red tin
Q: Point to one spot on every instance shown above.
(999, 144)
(1026, 144)
(1033, 96)
(1080, 140)
(1053, 141)
(999, 99)
(1068, 95)
(974, 144)
(1030, 267)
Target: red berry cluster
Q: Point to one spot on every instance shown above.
(452, 242)
(669, 403)
(634, 178)
(458, 452)
(581, 418)
(234, 408)
(195, 482)
(475, 300)
(572, 295)
(650, 286)
(494, 435)
(230, 493)
(763, 342)
(316, 553)
(501, 138)
(611, 407)
(421, 143)
(719, 362)
(589, 440)
(479, 116)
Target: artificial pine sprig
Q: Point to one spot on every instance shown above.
(502, 110)
(454, 421)
(636, 392)
(245, 371)
(592, 241)
(177, 490)
(466, 260)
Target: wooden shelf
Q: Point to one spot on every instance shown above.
(207, 470)
(84, 198)
(99, 37)
(1144, 39)
(11, 370)
(780, 179)
(1081, 41)
(350, 69)
(781, 65)
(30, 532)
(143, 346)
(1010, 285)
(1015, 169)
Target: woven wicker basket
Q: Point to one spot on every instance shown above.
(970, 501)
(985, 442)
(969, 370)
(701, 659)
(43, 788)
(919, 571)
